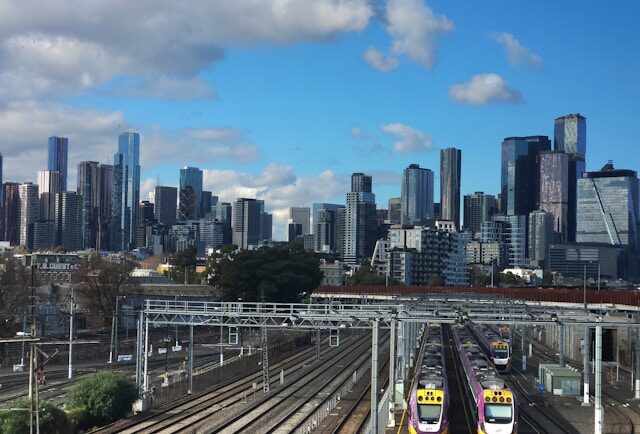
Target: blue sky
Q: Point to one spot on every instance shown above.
(278, 100)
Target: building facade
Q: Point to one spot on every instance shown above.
(68, 221)
(246, 222)
(541, 235)
(301, 216)
(416, 195)
(478, 208)
(360, 220)
(191, 177)
(49, 184)
(126, 192)
(450, 171)
(554, 190)
(29, 212)
(511, 231)
(165, 206)
(11, 212)
(58, 149)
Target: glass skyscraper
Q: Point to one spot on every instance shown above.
(126, 192)
(570, 136)
(554, 190)
(416, 195)
(478, 208)
(57, 158)
(608, 209)
(360, 227)
(520, 173)
(191, 177)
(450, 167)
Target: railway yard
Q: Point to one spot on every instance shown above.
(460, 377)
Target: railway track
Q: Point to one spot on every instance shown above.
(226, 393)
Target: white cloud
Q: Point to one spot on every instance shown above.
(359, 133)
(409, 140)
(68, 47)
(278, 186)
(414, 29)
(380, 61)
(483, 89)
(518, 54)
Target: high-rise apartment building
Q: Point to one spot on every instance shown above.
(29, 212)
(58, 149)
(49, 184)
(360, 220)
(224, 214)
(205, 203)
(478, 208)
(126, 192)
(511, 231)
(570, 136)
(191, 177)
(554, 190)
(450, 169)
(301, 216)
(325, 226)
(520, 173)
(247, 222)
(608, 209)
(416, 195)
(541, 235)
(395, 210)
(68, 220)
(105, 204)
(11, 212)
(189, 209)
(1, 200)
(166, 203)
(88, 188)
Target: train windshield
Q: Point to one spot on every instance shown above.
(429, 413)
(501, 354)
(497, 413)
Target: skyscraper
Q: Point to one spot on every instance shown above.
(395, 210)
(11, 216)
(205, 203)
(1, 200)
(126, 192)
(68, 220)
(246, 222)
(302, 216)
(189, 208)
(29, 212)
(105, 203)
(554, 190)
(541, 235)
(224, 215)
(192, 177)
(608, 209)
(166, 203)
(478, 208)
(416, 195)
(450, 168)
(570, 136)
(57, 158)
(511, 231)
(88, 188)
(520, 173)
(49, 184)
(360, 220)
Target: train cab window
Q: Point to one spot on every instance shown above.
(498, 413)
(429, 413)
(501, 354)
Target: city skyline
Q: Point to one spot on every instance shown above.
(253, 140)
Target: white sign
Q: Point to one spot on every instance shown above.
(18, 368)
(125, 357)
(177, 348)
(162, 351)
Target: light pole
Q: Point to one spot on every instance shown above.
(71, 312)
(114, 331)
(584, 287)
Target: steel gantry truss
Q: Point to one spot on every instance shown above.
(403, 318)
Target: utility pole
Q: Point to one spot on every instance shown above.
(33, 359)
(71, 312)
(584, 287)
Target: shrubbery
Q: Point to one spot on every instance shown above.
(53, 420)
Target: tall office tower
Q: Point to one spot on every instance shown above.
(57, 158)
(211, 232)
(325, 226)
(608, 209)
(146, 213)
(318, 206)
(294, 230)
(49, 184)
(188, 204)
(302, 216)
(511, 231)
(68, 220)
(450, 169)
(126, 192)
(554, 190)
(192, 177)
(266, 226)
(570, 136)
(478, 208)
(105, 203)
(88, 187)
(395, 210)
(541, 235)
(417, 195)
(360, 220)
(205, 203)
(1, 201)
(29, 212)
(224, 215)
(166, 203)
(520, 173)
(246, 222)
(44, 234)
(11, 215)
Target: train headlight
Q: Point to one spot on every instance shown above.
(501, 399)
(487, 399)
(508, 399)
(439, 398)
(494, 399)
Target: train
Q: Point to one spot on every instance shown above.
(497, 347)
(429, 402)
(493, 404)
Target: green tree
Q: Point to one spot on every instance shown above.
(53, 420)
(183, 262)
(101, 398)
(366, 276)
(279, 274)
